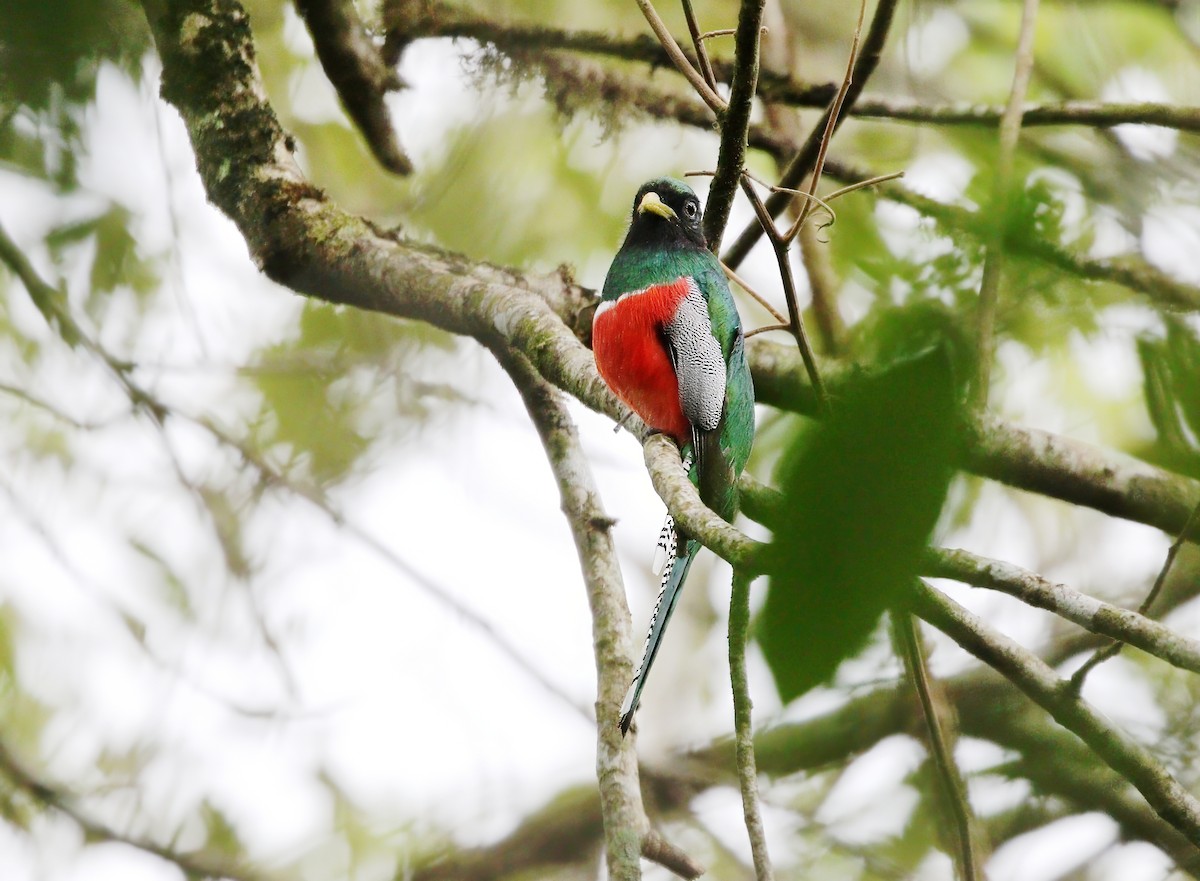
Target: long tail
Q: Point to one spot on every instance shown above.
(672, 583)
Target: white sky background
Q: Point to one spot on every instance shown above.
(408, 708)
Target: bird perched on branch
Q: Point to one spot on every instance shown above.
(668, 341)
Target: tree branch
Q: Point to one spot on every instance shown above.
(739, 634)
(804, 160)
(692, 515)
(1092, 614)
(731, 154)
(1030, 674)
(357, 71)
(625, 822)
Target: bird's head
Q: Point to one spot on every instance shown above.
(666, 213)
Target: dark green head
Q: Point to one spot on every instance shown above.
(666, 214)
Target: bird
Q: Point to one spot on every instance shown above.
(668, 341)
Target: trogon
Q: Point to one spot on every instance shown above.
(668, 341)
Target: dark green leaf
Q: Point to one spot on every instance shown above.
(863, 491)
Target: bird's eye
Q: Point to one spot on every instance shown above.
(690, 210)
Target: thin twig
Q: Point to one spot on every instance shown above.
(805, 158)
(796, 321)
(1112, 650)
(767, 329)
(693, 76)
(822, 286)
(832, 120)
(993, 261)
(808, 198)
(739, 630)
(941, 752)
(698, 44)
(758, 298)
(863, 184)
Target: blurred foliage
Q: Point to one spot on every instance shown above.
(50, 49)
(524, 178)
(863, 490)
(331, 390)
(115, 256)
(50, 53)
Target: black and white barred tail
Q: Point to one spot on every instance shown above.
(668, 595)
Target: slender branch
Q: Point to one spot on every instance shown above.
(758, 298)
(715, 102)
(941, 751)
(698, 44)
(833, 119)
(768, 329)
(1099, 617)
(1092, 114)
(1114, 649)
(1002, 202)
(357, 71)
(796, 321)
(625, 822)
(1030, 674)
(48, 300)
(731, 153)
(739, 633)
(50, 409)
(822, 284)
(804, 160)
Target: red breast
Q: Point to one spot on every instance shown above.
(633, 358)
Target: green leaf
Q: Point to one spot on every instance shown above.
(52, 48)
(862, 493)
(1171, 384)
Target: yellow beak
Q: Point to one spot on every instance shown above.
(652, 203)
